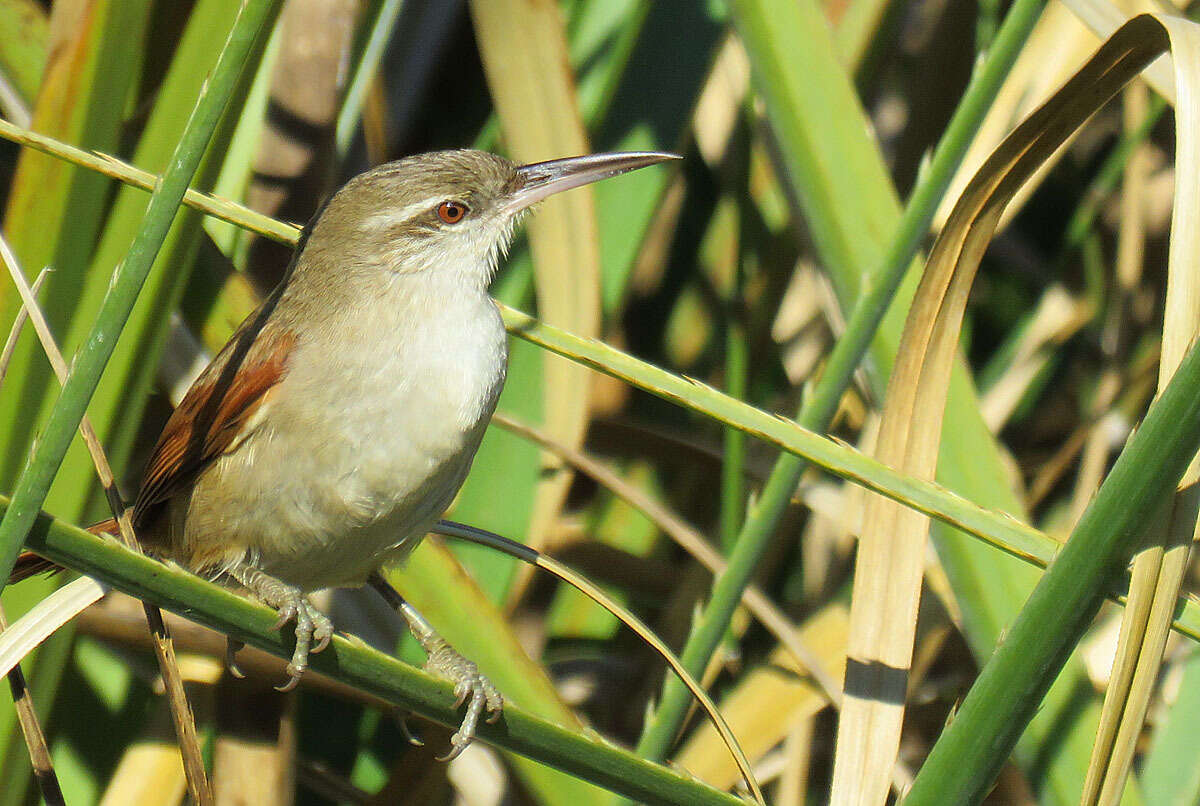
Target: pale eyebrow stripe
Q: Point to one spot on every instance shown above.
(390, 217)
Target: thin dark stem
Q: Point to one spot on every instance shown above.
(35, 737)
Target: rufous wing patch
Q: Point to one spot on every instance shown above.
(210, 419)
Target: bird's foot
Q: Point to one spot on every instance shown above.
(442, 661)
(470, 687)
(313, 628)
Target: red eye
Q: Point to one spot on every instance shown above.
(451, 211)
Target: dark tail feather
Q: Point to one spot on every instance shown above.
(108, 527)
(29, 564)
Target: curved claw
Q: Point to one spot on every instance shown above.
(314, 631)
(313, 628)
(322, 632)
(457, 745)
(470, 687)
(293, 680)
(442, 661)
(232, 647)
(287, 612)
(406, 732)
(461, 692)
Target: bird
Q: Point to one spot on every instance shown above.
(336, 425)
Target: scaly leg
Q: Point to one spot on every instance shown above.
(313, 628)
(442, 661)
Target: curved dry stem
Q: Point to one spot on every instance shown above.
(691, 541)
(534, 557)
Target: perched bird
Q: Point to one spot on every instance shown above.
(342, 417)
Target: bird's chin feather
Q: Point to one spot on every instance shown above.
(501, 243)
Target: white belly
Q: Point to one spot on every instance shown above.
(366, 478)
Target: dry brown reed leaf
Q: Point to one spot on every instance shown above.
(1066, 34)
(1159, 569)
(891, 553)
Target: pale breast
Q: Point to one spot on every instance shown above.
(362, 452)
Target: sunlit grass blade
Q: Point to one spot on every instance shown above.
(181, 711)
(34, 482)
(32, 730)
(997, 529)
(1160, 568)
(55, 212)
(45, 618)
(116, 407)
(352, 662)
(780, 71)
(1010, 687)
(53, 215)
(110, 166)
(851, 208)
(237, 160)
(375, 29)
(77, 291)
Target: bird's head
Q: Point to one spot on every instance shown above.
(446, 211)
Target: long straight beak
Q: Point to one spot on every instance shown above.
(541, 179)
